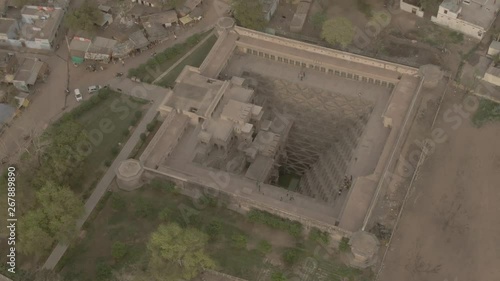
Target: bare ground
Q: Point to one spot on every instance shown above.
(449, 228)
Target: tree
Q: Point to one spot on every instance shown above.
(249, 14)
(118, 250)
(85, 17)
(278, 276)
(318, 19)
(54, 218)
(67, 148)
(178, 251)
(338, 31)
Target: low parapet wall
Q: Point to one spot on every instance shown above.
(329, 52)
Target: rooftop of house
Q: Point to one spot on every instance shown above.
(41, 22)
(28, 70)
(6, 25)
(417, 3)
(79, 44)
(236, 111)
(161, 18)
(102, 45)
(155, 30)
(495, 45)
(191, 4)
(478, 12)
(220, 129)
(8, 62)
(260, 168)
(139, 39)
(492, 70)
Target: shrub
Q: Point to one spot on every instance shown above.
(107, 163)
(144, 208)
(117, 202)
(278, 276)
(126, 132)
(143, 136)
(134, 121)
(214, 228)
(164, 215)
(292, 227)
(264, 247)
(115, 150)
(319, 236)
(239, 241)
(151, 126)
(291, 256)
(103, 272)
(162, 185)
(118, 250)
(138, 114)
(344, 245)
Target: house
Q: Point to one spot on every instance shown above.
(155, 31)
(104, 9)
(188, 7)
(8, 66)
(40, 25)
(299, 18)
(7, 112)
(412, 6)
(269, 8)
(494, 48)
(101, 49)
(150, 3)
(139, 40)
(165, 19)
(104, 19)
(30, 71)
(472, 18)
(492, 75)
(78, 47)
(3, 8)
(9, 32)
(140, 10)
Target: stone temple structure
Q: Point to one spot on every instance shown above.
(261, 108)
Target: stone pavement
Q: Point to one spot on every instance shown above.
(108, 177)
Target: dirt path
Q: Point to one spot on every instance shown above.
(449, 229)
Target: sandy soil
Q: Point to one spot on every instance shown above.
(449, 229)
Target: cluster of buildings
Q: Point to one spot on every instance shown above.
(470, 17)
(23, 73)
(155, 27)
(37, 27)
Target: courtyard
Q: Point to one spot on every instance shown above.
(442, 234)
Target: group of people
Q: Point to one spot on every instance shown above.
(346, 185)
(302, 75)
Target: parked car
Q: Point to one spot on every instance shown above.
(78, 95)
(94, 88)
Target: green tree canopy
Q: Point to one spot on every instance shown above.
(54, 218)
(278, 276)
(67, 147)
(84, 18)
(249, 14)
(338, 31)
(178, 251)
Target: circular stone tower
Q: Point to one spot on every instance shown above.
(128, 174)
(364, 249)
(224, 25)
